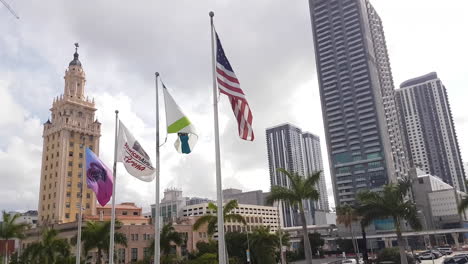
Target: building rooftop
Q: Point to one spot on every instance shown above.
(418, 80)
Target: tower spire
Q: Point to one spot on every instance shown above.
(75, 61)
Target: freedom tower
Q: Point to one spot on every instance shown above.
(72, 123)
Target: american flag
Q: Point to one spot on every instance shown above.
(228, 84)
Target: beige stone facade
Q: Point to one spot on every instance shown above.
(72, 126)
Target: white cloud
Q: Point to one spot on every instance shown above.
(269, 44)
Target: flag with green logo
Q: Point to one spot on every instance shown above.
(178, 123)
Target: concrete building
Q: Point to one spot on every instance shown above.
(127, 213)
(197, 200)
(291, 149)
(172, 204)
(253, 197)
(430, 130)
(437, 201)
(71, 128)
(255, 215)
(362, 127)
(28, 217)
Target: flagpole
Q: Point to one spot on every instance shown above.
(219, 191)
(80, 221)
(156, 204)
(112, 231)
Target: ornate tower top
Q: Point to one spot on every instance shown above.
(75, 78)
(75, 61)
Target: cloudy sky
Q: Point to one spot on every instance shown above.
(269, 44)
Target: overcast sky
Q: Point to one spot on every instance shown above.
(122, 43)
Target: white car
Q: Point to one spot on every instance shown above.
(351, 261)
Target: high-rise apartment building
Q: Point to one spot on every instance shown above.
(430, 130)
(312, 163)
(290, 149)
(71, 127)
(365, 147)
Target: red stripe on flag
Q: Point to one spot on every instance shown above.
(225, 75)
(229, 87)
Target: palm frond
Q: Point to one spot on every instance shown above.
(463, 205)
(229, 206)
(205, 219)
(280, 193)
(235, 217)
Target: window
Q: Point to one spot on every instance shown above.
(88, 196)
(135, 213)
(68, 184)
(69, 174)
(87, 206)
(67, 215)
(70, 163)
(68, 194)
(121, 255)
(70, 154)
(146, 252)
(124, 213)
(80, 165)
(67, 205)
(72, 144)
(374, 155)
(81, 155)
(134, 254)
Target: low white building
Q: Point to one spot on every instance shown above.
(437, 201)
(255, 215)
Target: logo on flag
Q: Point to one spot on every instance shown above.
(133, 156)
(98, 177)
(229, 85)
(178, 123)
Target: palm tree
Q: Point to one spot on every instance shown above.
(96, 235)
(50, 250)
(168, 237)
(463, 205)
(263, 244)
(346, 215)
(212, 219)
(391, 203)
(9, 229)
(301, 188)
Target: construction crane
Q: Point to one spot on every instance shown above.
(9, 8)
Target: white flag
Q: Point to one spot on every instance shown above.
(178, 123)
(133, 156)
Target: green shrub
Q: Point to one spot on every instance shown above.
(392, 254)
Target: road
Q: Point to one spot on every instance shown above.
(328, 260)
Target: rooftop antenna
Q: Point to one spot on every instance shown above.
(9, 8)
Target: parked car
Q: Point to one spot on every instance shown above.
(430, 254)
(426, 255)
(351, 261)
(456, 260)
(445, 250)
